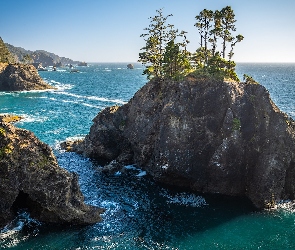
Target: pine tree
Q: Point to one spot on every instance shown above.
(156, 40)
(227, 26)
(5, 55)
(163, 55)
(204, 24)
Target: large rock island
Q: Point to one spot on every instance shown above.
(209, 136)
(31, 178)
(19, 77)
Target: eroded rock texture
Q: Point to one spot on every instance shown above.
(19, 77)
(216, 137)
(31, 178)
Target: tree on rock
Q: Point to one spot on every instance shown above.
(163, 55)
(27, 59)
(5, 55)
(215, 27)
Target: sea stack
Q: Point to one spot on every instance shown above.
(20, 77)
(16, 76)
(206, 135)
(30, 178)
(130, 66)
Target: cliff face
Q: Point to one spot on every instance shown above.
(30, 178)
(18, 77)
(215, 137)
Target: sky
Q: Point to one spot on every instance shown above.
(109, 30)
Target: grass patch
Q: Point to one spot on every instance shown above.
(236, 124)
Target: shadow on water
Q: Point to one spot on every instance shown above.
(139, 212)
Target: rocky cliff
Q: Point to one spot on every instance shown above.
(30, 178)
(18, 77)
(209, 136)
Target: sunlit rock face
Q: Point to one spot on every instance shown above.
(209, 136)
(19, 77)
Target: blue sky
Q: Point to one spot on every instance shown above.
(109, 30)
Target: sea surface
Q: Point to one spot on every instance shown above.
(140, 214)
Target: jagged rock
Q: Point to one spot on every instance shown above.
(209, 136)
(31, 178)
(18, 77)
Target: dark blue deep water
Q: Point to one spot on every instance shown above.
(140, 214)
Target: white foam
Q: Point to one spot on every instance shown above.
(118, 173)
(75, 138)
(11, 230)
(60, 86)
(287, 206)
(130, 167)
(142, 173)
(102, 99)
(32, 118)
(165, 167)
(185, 199)
(92, 106)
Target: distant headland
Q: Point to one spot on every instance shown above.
(37, 57)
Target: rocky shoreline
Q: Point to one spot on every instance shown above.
(209, 136)
(31, 179)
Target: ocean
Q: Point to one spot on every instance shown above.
(140, 214)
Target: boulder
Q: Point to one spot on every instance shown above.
(209, 136)
(19, 77)
(30, 178)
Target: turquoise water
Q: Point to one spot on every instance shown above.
(140, 214)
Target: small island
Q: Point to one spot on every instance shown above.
(18, 76)
(130, 66)
(196, 125)
(82, 64)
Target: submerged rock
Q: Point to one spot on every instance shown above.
(19, 77)
(31, 178)
(216, 137)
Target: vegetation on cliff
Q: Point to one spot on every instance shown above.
(165, 54)
(5, 55)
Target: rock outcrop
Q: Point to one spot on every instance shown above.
(31, 178)
(209, 136)
(9, 118)
(130, 66)
(19, 77)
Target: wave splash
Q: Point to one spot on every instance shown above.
(19, 230)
